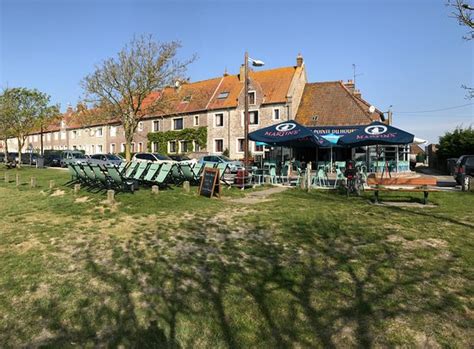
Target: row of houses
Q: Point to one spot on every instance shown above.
(217, 105)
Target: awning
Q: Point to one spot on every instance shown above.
(288, 134)
(376, 133)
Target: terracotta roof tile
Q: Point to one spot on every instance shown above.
(332, 104)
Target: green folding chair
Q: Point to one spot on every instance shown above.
(130, 170)
(163, 177)
(74, 175)
(151, 173)
(197, 170)
(140, 171)
(119, 181)
(100, 176)
(189, 174)
(81, 174)
(222, 167)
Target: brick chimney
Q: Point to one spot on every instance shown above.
(350, 86)
(357, 93)
(299, 60)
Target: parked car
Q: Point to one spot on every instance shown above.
(234, 165)
(152, 157)
(52, 158)
(29, 158)
(183, 159)
(72, 157)
(105, 159)
(464, 168)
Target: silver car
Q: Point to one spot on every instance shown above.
(72, 157)
(105, 160)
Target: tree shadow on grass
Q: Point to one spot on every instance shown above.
(329, 286)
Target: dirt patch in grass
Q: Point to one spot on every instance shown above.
(81, 200)
(58, 192)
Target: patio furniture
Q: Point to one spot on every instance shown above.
(140, 171)
(129, 171)
(164, 176)
(339, 177)
(119, 181)
(189, 174)
(321, 179)
(151, 173)
(101, 177)
(271, 175)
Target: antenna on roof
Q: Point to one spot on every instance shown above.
(354, 74)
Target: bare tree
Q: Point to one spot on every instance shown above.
(462, 11)
(120, 88)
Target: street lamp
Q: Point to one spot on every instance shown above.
(255, 63)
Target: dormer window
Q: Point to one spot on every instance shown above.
(223, 95)
(315, 118)
(252, 98)
(186, 99)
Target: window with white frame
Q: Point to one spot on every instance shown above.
(63, 134)
(240, 145)
(35, 138)
(56, 135)
(155, 147)
(140, 147)
(253, 118)
(140, 126)
(98, 132)
(132, 147)
(172, 147)
(92, 149)
(73, 134)
(183, 147)
(122, 147)
(178, 124)
(156, 125)
(112, 148)
(196, 146)
(113, 131)
(219, 120)
(48, 136)
(99, 148)
(276, 114)
(218, 145)
(252, 97)
(196, 120)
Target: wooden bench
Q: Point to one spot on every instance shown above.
(425, 190)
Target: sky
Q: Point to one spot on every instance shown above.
(408, 54)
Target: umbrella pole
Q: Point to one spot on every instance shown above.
(331, 158)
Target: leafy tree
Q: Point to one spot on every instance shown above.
(456, 143)
(26, 111)
(5, 124)
(119, 87)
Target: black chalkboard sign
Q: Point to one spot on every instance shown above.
(210, 183)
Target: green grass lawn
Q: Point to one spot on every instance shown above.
(176, 270)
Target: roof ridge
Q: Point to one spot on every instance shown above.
(366, 113)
